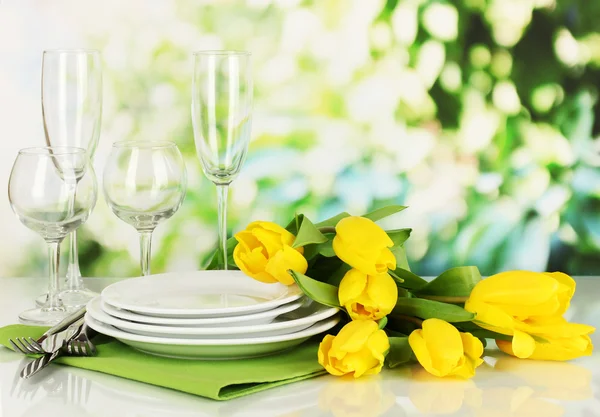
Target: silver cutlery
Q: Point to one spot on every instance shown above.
(49, 344)
(81, 345)
(77, 343)
(50, 339)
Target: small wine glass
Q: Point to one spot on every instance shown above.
(52, 191)
(144, 184)
(222, 118)
(72, 113)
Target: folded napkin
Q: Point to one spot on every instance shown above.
(219, 380)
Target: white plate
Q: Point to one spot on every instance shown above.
(298, 320)
(246, 320)
(212, 348)
(198, 294)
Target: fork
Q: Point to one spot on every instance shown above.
(81, 344)
(26, 346)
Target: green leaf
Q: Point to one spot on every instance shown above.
(383, 212)
(294, 225)
(396, 277)
(428, 309)
(336, 277)
(400, 352)
(332, 221)
(323, 268)
(326, 249)
(411, 281)
(382, 322)
(481, 333)
(401, 259)
(308, 234)
(455, 282)
(399, 236)
(320, 292)
(214, 261)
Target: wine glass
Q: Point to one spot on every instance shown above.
(222, 117)
(144, 184)
(52, 191)
(72, 111)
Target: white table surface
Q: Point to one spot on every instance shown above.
(521, 388)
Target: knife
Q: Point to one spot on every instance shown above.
(52, 345)
(56, 341)
(38, 364)
(63, 324)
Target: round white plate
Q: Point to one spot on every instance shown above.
(293, 322)
(246, 320)
(198, 294)
(212, 348)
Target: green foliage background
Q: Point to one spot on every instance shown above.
(481, 115)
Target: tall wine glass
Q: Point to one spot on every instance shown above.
(144, 184)
(52, 191)
(222, 117)
(72, 112)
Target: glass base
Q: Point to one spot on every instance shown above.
(72, 299)
(42, 317)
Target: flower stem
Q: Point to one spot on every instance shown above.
(410, 319)
(445, 299)
(327, 229)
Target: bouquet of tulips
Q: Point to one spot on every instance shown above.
(394, 316)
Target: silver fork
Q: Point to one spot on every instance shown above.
(81, 344)
(27, 346)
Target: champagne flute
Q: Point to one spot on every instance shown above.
(72, 112)
(144, 184)
(222, 117)
(52, 191)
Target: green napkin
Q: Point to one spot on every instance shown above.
(219, 380)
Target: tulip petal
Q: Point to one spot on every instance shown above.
(419, 347)
(352, 286)
(356, 259)
(360, 362)
(270, 240)
(323, 356)
(384, 290)
(358, 230)
(286, 237)
(285, 259)
(386, 261)
(472, 346)
(566, 292)
(523, 344)
(353, 336)
(490, 317)
(443, 343)
(252, 263)
(465, 369)
(510, 288)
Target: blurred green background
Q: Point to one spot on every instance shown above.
(480, 115)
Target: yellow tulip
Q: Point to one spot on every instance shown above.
(358, 349)
(529, 306)
(264, 252)
(551, 348)
(367, 297)
(363, 245)
(444, 351)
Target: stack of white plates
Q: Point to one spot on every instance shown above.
(207, 315)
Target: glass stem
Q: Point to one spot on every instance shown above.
(74, 281)
(54, 303)
(145, 251)
(222, 191)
